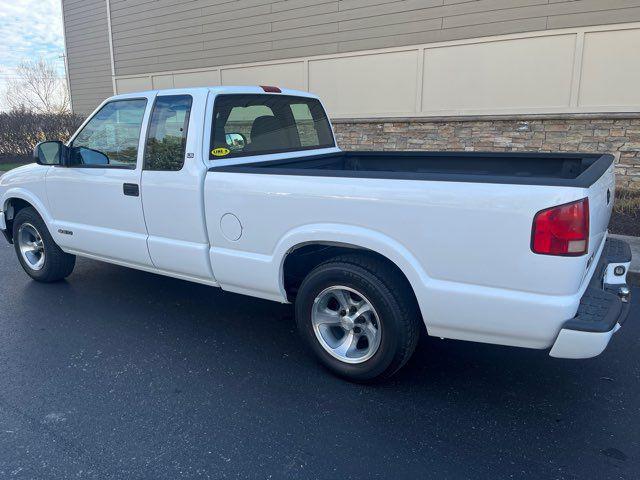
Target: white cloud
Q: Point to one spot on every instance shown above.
(29, 29)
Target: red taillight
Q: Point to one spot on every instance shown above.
(269, 89)
(562, 230)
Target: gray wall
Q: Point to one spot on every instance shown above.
(162, 35)
(169, 35)
(88, 54)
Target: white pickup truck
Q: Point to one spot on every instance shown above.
(244, 188)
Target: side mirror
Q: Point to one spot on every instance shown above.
(49, 153)
(235, 141)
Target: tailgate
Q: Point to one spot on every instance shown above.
(601, 196)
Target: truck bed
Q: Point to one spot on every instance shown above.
(554, 169)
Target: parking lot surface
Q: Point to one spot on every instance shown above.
(127, 375)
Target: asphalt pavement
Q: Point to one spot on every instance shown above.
(120, 374)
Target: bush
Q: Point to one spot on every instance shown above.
(627, 202)
(20, 130)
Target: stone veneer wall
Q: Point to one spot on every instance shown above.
(619, 136)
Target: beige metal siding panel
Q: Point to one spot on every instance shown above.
(170, 35)
(496, 16)
(579, 6)
(296, 4)
(386, 8)
(87, 79)
(146, 47)
(174, 29)
(517, 26)
(88, 28)
(523, 74)
(86, 83)
(602, 17)
(220, 22)
(126, 85)
(295, 35)
(90, 92)
(251, 32)
(84, 22)
(84, 9)
(611, 69)
(531, 73)
(157, 11)
(88, 53)
(133, 68)
(393, 41)
(288, 75)
(237, 5)
(164, 51)
(372, 33)
(138, 21)
(162, 81)
(196, 79)
(118, 6)
(86, 104)
(392, 19)
(149, 64)
(351, 4)
(81, 37)
(498, 28)
(342, 85)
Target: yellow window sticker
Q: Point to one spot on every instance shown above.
(220, 152)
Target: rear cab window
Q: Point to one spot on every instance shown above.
(259, 124)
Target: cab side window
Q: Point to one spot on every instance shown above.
(167, 138)
(110, 138)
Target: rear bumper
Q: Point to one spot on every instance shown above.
(603, 307)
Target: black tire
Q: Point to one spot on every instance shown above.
(57, 264)
(391, 296)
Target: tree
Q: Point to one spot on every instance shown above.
(38, 88)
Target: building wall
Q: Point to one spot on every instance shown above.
(408, 60)
(167, 35)
(88, 56)
(573, 70)
(619, 136)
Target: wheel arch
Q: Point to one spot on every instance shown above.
(18, 199)
(338, 239)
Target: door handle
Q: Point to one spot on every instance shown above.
(131, 189)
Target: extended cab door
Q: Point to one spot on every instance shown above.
(173, 185)
(95, 199)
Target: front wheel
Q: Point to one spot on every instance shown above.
(359, 317)
(39, 255)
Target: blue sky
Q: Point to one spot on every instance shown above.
(29, 29)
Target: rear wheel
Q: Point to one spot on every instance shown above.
(358, 316)
(39, 255)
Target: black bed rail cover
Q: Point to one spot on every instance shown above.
(595, 165)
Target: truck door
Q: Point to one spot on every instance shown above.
(95, 199)
(173, 183)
